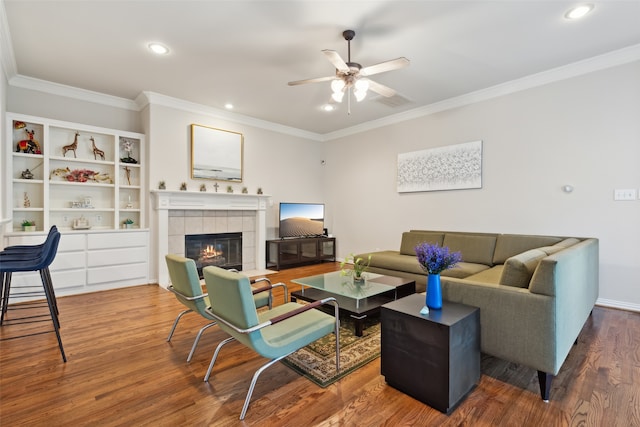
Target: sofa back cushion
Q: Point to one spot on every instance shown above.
(568, 242)
(508, 245)
(474, 248)
(518, 269)
(411, 239)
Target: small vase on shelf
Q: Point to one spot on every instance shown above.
(434, 292)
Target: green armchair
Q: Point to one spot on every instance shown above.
(273, 334)
(185, 284)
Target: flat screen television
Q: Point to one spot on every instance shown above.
(301, 219)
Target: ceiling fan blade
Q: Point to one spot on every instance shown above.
(336, 60)
(383, 67)
(381, 89)
(316, 80)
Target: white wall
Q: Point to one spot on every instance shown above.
(3, 110)
(286, 167)
(584, 131)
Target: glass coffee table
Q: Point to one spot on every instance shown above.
(357, 300)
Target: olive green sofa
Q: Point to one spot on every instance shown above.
(534, 292)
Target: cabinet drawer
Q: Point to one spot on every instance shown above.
(117, 240)
(117, 256)
(68, 260)
(117, 273)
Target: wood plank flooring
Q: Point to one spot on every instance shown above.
(122, 372)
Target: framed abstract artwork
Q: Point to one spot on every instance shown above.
(216, 154)
(451, 167)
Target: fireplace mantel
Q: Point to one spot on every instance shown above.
(166, 200)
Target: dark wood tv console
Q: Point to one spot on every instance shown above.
(286, 253)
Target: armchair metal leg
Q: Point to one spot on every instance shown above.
(197, 340)
(215, 356)
(253, 384)
(175, 323)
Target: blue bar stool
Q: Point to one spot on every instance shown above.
(31, 258)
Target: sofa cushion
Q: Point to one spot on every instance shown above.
(508, 245)
(474, 249)
(393, 260)
(464, 269)
(518, 269)
(550, 250)
(411, 239)
(490, 275)
(568, 242)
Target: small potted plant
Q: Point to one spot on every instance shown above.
(28, 225)
(128, 223)
(358, 269)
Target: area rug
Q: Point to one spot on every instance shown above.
(317, 361)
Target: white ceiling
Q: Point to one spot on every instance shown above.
(245, 52)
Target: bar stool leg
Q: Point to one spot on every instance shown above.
(52, 309)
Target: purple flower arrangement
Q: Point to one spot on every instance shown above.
(434, 259)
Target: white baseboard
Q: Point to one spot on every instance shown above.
(618, 304)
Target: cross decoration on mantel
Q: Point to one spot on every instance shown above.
(216, 186)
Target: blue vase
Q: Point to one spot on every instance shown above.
(434, 292)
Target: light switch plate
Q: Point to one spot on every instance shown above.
(625, 194)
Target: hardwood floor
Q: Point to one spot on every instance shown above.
(122, 372)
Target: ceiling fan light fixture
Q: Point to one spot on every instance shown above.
(337, 85)
(337, 96)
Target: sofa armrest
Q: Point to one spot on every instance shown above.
(515, 324)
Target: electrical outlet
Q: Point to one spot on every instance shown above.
(625, 194)
(65, 219)
(98, 218)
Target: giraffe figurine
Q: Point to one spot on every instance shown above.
(71, 147)
(96, 150)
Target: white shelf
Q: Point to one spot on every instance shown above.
(126, 182)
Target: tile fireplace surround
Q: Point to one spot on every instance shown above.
(181, 213)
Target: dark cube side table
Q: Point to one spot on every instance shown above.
(435, 357)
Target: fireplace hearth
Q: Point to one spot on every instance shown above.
(222, 250)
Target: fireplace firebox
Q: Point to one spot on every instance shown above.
(222, 250)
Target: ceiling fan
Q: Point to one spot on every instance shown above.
(352, 76)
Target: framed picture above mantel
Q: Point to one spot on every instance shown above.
(216, 154)
(450, 167)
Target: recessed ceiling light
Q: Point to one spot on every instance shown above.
(228, 106)
(158, 48)
(578, 11)
(328, 107)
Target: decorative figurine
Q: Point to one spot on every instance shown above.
(127, 171)
(81, 223)
(183, 186)
(96, 150)
(27, 174)
(162, 186)
(71, 147)
(244, 190)
(29, 145)
(27, 202)
(127, 146)
(229, 189)
(203, 187)
(259, 190)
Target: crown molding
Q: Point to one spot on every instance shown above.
(586, 66)
(145, 98)
(7, 57)
(72, 92)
